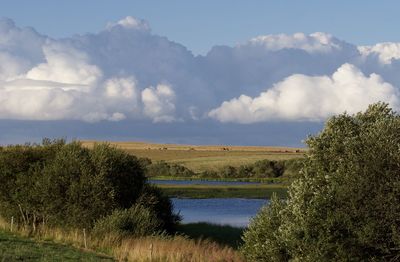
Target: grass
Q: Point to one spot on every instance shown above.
(261, 191)
(17, 248)
(62, 242)
(205, 158)
(222, 234)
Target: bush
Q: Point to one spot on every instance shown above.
(135, 222)
(68, 185)
(345, 206)
(162, 168)
(154, 199)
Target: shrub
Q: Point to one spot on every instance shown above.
(161, 168)
(345, 206)
(136, 221)
(154, 199)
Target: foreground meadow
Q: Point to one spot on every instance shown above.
(57, 244)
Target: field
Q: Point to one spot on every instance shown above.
(204, 158)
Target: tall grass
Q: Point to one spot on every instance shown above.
(152, 248)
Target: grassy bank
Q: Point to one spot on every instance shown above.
(70, 243)
(17, 248)
(224, 191)
(277, 180)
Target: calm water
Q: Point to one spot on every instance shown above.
(198, 182)
(224, 211)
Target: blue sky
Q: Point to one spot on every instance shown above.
(199, 25)
(202, 72)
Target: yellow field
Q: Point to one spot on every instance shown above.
(201, 158)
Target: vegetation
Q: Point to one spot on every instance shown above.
(223, 234)
(162, 168)
(136, 221)
(258, 171)
(16, 248)
(148, 248)
(97, 199)
(345, 205)
(261, 191)
(67, 185)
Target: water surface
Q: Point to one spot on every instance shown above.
(223, 211)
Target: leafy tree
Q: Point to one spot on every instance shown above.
(345, 206)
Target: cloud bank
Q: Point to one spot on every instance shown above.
(127, 73)
(311, 98)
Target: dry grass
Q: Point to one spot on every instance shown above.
(202, 158)
(157, 248)
(176, 249)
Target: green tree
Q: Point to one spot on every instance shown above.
(69, 185)
(345, 206)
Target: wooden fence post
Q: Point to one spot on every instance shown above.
(84, 238)
(12, 224)
(151, 252)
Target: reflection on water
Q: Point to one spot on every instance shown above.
(224, 211)
(199, 182)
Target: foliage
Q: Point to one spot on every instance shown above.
(162, 168)
(260, 169)
(68, 185)
(136, 221)
(344, 207)
(262, 242)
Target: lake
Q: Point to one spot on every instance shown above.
(199, 182)
(223, 211)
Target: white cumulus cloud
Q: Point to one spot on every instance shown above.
(159, 103)
(386, 52)
(301, 97)
(316, 42)
(120, 73)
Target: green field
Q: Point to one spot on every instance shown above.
(205, 158)
(263, 191)
(16, 248)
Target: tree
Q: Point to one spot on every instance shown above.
(69, 185)
(345, 205)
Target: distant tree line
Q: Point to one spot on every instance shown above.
(259, 169)
(65, 184)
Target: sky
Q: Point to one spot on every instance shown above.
(199, 25)
(205, 72)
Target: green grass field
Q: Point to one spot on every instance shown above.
(262, 191)
(204, 158)
(16, 248)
